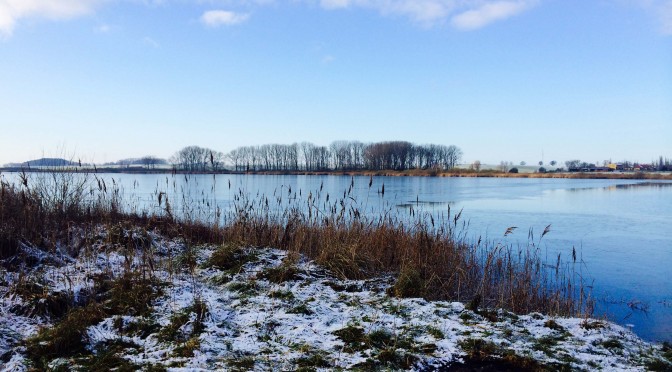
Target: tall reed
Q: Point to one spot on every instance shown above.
(431, 256)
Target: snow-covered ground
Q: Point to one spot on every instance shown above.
(247, 319)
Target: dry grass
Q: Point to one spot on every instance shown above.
(456, 172)
(430, 258)
(66, 339)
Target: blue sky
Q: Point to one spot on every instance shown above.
(505, 80)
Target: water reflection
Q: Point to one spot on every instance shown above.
(652, 185)
(424, 203)
(626, 186)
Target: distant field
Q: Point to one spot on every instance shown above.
(463, 171)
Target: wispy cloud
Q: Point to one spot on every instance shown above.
(11, 11)
(666, 17)
(418, 10)
(216, 18)
(103, 29)
(462, 14)
(489, 12)
(662, 9)
(150, 42)
(426, 12)
(335, 4)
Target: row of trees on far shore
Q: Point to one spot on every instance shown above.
(340, 155)
(149, 161)
(662, 164)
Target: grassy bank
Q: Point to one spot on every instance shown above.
(431, 258)
(378, 173)
(73, 257)
(481, 174)
(248, 309)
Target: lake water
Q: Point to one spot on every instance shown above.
(621, 229)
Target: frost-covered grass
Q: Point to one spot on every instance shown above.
(430, 255)
(227, 307)
(87, 285)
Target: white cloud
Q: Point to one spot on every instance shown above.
(11, 11)
(418, 10)
(103, 29)
(489, 12)
(464, 14)
(665, 16)
(661, 10)
(150, 42)
(423, 11)
(334, 4)
(216, 18)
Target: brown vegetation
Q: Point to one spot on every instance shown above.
(473, 173)
(430, 258)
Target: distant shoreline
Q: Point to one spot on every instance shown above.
(376, 173)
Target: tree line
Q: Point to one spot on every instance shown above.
(149, 162)
(661, 165)
(338, 156)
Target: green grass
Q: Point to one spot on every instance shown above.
(106, 358)
(130, 294)
(612, 344)
(287, 271)
(436, 333)
(174, 331)
(282, 295)
(314, 360)
(246, 288)
(488, 356)
(409, 283)
(39, 301)
(243, 363)
(546, 344)
(302, 309)
(230, 258)
(552, 324)
(353, 337)
(66, 339)
(186, 349)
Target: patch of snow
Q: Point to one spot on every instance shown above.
(276, 324)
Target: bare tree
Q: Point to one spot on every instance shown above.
(452, 157)
(197, 159)
(151, 161)
(345, 155)
(573, 164)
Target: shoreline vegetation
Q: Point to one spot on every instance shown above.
(630, 175)
(386, 158)
(336, 231)
(123, 268)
